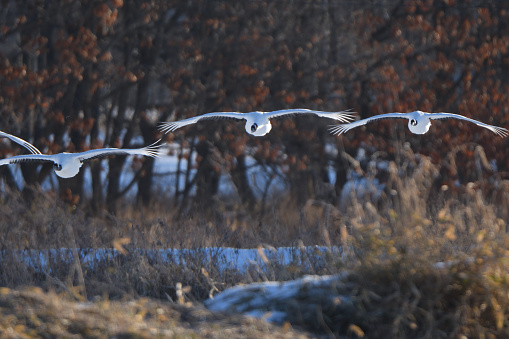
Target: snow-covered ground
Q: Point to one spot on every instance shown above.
(269, 300)
(287, 301)
(265, 300)
(225, 258)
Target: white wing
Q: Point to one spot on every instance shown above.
(28, 158)
(174, 125)
(153, 151)
(339, 129)
(343, 116)
(21, 142)
(495, 129)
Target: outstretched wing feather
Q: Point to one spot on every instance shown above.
(21, 142)
(27, 158)
(152, 150)
(343, 116)
(495, 129)
(342, 128)
(174, 125)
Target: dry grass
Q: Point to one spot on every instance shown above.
(33, 313)
(390, 247)
(410, 298)
(404, 297)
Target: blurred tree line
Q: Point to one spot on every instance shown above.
(81, 74)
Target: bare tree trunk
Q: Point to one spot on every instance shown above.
(241, 182)
(144, 195)
(208, 174)
(113, 190)
(6, 174)
(188, 184)
(116, 163)
(342, 167)
(97, 203)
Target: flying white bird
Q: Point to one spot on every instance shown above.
(418, 122)
(67, 165)
(21, 142)
(257, 123)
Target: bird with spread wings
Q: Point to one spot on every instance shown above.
(418, 122)
(257, 123)
(67, 165)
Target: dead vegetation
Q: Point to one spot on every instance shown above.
(33, 313)
(421, 261)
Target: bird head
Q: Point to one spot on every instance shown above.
(418, 123)
(257, 124)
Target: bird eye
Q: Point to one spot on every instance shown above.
(58, 167)
(254, 127)
(413, 122)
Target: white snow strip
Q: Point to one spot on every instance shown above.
(226, 258)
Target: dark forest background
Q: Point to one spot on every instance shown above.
(76, 75)
(421, 247)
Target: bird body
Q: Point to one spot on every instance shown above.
(257, 123)
(67, 165)
(418, 122)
